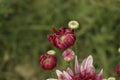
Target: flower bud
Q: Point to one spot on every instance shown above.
(68, 55)
(104, 79)
(111, 78)
(48, 61)
(118, 50)
(73, 24)
(52, 52)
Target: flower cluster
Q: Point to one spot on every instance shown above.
(63, 39)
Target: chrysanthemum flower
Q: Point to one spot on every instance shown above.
(48, 61)
(118, 69)
(68, 55)
(63, 39)
(85, 71)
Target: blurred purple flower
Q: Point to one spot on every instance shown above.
(85, 71)
(118, 69)
(63, 39)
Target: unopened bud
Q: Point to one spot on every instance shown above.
(51, 52)
(119, 50)
(111, 78)
(73, 24)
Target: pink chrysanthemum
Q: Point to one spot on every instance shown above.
(68, 55)
(85, 71)
(63, 39)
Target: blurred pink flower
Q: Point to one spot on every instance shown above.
(68, 55)
(118, 69)
(85, 71)
(63, 39)
(48, 61)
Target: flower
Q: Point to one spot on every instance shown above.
(110, 78)
(85, 71)
(118, 50)
(73, 24)
(68, 55)
(63, 39)
(48, 61)
(118, 69)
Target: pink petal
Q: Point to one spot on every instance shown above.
(91, 70)
(69, 71)
(51, 79)
(77, 68)
(87, 65)
(67, 76)
(88, 62)
(59, 73)
(100, 75)
(82, 65)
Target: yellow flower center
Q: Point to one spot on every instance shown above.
(62, 38)
(47, 60)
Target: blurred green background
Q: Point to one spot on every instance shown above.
(24, 25)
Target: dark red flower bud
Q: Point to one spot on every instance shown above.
(63, 39)
(48, 61)
(118, 69)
